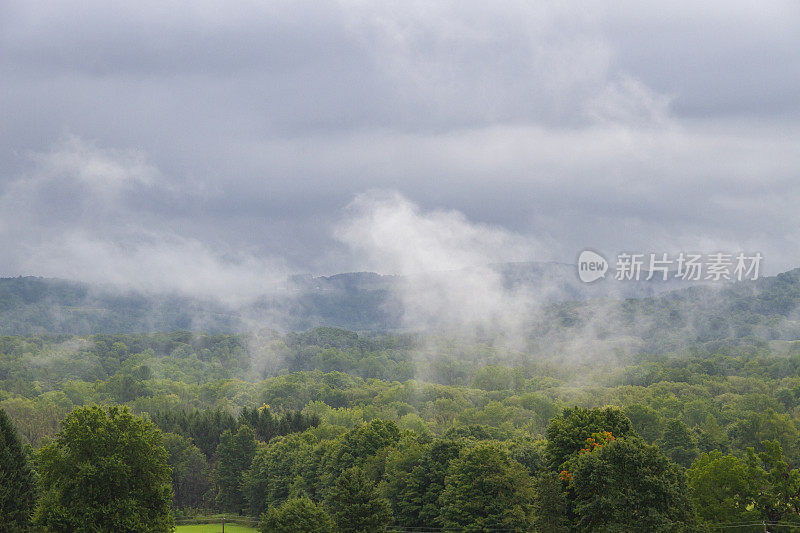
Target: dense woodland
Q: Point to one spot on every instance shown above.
(366, 432)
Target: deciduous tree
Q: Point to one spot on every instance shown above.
(105, 471)
(486, 489)
(296, 514)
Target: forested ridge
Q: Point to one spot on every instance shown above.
(368, 302)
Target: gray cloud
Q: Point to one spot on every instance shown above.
(230, 137)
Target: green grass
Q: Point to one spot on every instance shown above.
(214, 528)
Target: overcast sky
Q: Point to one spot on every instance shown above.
(229, 142)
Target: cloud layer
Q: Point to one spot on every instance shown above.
(210, 148)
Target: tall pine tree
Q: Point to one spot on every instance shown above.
(355, 504)
(17, 486)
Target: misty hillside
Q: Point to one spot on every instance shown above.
(361, 301)
(761, 310)
(641, 315)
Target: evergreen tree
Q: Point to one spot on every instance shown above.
(355, 504)
(190, 472)
(17, 486)
(236, 452)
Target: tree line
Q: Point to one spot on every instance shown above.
(108, 470)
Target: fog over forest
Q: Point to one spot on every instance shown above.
(401, 266)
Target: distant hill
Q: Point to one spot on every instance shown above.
(31, 305)
(764, 310)
(648, 315)
(41, 305)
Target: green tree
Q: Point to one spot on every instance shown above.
(752, 429)
(267, 426)
(550, 504)
(125, 387)
(486, 489)
(296, 514)
(278, 469)
(105, 471)
(415, 479)
(567, 433)
(17, 486)
(235, 452)
(363, 442)
(711, 436)
(778, 487)
(628, 485)
(645, 421)
(355, 504)
(722, 489)
(761, 486)
(204, 427)
(365, 446)
(543, 409)
(491, 378)
(678, 443)
(190, 472)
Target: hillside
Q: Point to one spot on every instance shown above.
(576, 318)
(360, 301)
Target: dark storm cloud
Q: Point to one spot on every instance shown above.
(231, 136)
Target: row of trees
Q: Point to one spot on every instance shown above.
(128, 363)
(109, 470)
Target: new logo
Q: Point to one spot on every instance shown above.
(591, 266)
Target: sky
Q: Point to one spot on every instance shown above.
(224, 145)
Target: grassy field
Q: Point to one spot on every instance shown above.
(214, 528)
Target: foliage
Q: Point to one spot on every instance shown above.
(778, 486)
(415, 480)
(311, 425)
(267, 426)
(486, 489)
(105, 471)
(17, 484)
(356, 505)
(190, 472)
(361, 447)
(280, 469)
(628, 485)
(297, 514)
(235, 452)
(550, 507)
(722, 488)
(567, 434)
(760, 486)
(678, 443)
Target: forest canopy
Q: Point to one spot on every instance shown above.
(287, 427)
